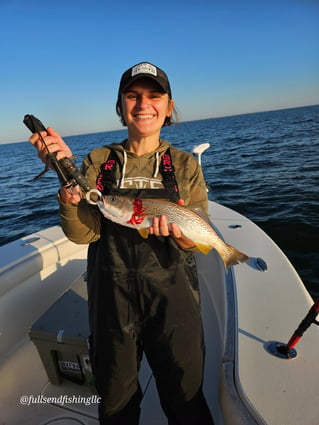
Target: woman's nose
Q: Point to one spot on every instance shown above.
(142, 101)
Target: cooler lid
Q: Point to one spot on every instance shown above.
(66, 321)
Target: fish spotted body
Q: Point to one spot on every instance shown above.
(139, 214)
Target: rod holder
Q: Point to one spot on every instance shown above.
(286, 351)
(281, 350)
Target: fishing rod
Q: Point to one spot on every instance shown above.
(287, 351)
(68, 173)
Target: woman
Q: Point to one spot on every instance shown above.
(142, 293)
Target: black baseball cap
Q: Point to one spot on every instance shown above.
(144, 70)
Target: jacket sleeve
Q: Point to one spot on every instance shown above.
(81, 222)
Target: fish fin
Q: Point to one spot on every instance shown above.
(203, 248)
(234, 257)
(143, 232)
(201, 213)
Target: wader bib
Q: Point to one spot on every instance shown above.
(143, 297)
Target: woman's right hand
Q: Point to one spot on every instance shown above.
(57, 145)
(54, 143)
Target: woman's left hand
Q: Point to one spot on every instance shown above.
(161, 227)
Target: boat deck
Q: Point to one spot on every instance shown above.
(26, 392)
(269, 307)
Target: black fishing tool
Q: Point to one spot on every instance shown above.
(68, 173)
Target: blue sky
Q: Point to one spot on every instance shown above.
(61, 60)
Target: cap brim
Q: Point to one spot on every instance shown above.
(143, 76)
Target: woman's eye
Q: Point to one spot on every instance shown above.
(155, 95)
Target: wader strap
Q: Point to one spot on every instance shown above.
(106, 180)
(167, 170)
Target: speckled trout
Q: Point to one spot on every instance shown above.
(139, 214)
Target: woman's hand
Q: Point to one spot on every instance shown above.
(71, 195)
(161, 227)
(54, 143)
(57, 145)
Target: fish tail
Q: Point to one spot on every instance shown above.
(234, 257)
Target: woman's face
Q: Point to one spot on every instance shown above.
(145, 108)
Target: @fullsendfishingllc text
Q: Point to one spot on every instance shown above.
(27, 400)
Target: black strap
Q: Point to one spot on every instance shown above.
(106, 178)
(167, 171)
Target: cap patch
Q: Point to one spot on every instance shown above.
(144, 68)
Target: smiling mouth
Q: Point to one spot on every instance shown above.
(143, 116)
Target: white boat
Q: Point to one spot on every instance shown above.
(244, 312)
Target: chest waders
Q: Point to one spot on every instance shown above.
(144, 297)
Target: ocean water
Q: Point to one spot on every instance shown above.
(263, 165)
